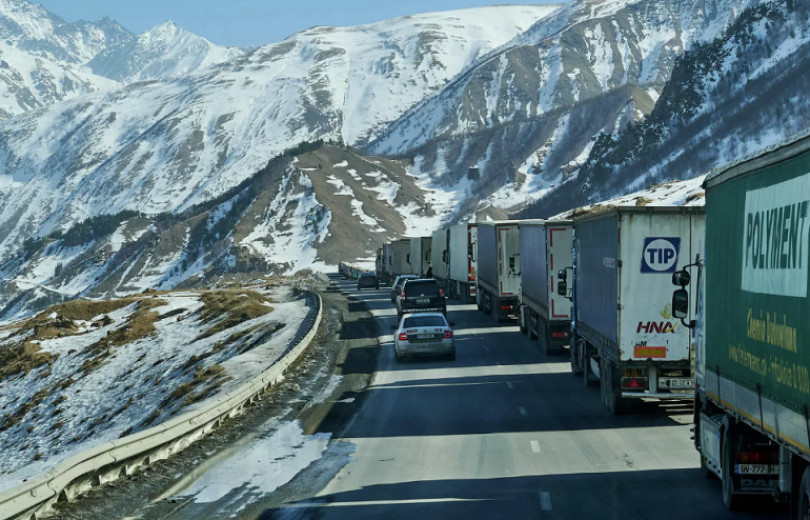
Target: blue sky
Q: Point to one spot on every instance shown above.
(249, 22)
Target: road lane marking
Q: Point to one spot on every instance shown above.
(545, 501)
(523, 411)
(535, 446)
(510, 385)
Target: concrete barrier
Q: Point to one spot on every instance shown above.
(109, 461)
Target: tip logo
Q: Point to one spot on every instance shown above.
(660, 254)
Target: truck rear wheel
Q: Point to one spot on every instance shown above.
(731, 499)
(573, 350)
(587, 379)
(523, 319)
(615, 403)
(803, 498)
(534, 326)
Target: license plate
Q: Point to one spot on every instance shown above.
(755, 469)
(424, 336)
(423, 300)
(681, 383)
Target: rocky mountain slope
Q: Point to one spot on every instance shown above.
(728, 98)
(526, 115)
(309, 208)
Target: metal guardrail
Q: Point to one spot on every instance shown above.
(115, 459)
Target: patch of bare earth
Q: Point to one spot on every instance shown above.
(228, 308)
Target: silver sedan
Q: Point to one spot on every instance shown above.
(424, 334)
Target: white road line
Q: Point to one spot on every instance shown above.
(523, 411)
(510, 385)
(535, 446)
(545, 501)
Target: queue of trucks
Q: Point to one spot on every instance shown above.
(731, 337)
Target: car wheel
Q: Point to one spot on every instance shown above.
(452, 356)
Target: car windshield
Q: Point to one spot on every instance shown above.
(423, 321)
(424, 289)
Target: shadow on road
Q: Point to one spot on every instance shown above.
(616, 495)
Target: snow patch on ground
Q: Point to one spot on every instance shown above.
(130, 385)
(262, 465)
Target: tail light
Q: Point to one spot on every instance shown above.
(403, 294)
(441, 292)
(635, 383)
(757, 457)
(506, 307)
(448, 334)
(558, 334)
(403, 336)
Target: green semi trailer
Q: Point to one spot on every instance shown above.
(752, 332)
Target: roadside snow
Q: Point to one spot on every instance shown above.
(261, 466)
(82, 409)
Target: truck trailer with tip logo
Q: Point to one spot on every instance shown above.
(622, 339)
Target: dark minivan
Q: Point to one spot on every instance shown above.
(423, 295)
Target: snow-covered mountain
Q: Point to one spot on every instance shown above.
(167, 182)
(44, 60)
(162, 146)
(728, 98)
(164, 51)
(526, 115)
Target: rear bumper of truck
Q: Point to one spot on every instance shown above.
(659, 381)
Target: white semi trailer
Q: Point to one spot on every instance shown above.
(463, 262)
(498, 273)
(545, 247)
(624, 337)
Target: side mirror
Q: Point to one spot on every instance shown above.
(680, 304)
(681, 278)
(511, 263)
(408, 258)
(562, 287)
(562, 275)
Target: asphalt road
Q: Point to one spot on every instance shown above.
(504, 431)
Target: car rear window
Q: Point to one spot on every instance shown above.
(425, 289)
(402, 281)
(424, 321)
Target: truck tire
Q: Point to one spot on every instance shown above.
(495, 308)
(803, 497)
(522, 319)
(573, 350)
(587, 378)
(534, 332)
(731, 499)
(615, 403)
